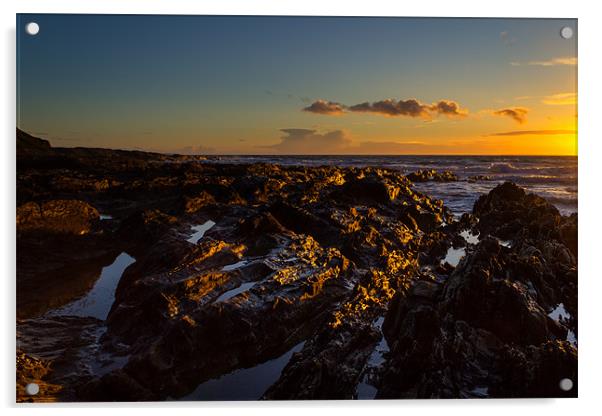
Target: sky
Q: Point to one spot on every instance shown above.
(299, 85)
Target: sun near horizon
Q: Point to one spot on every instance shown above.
(296, 85)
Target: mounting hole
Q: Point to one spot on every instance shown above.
(32, 28)
(32, 389)
(566, 384)
(566, 32)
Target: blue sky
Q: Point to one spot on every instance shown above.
(224, 84)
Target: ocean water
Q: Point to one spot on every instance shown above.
(554, 178)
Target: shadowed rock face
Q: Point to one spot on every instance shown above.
(487, 325)
(291, 254)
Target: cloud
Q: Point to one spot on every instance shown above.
(566, 60)
(306, 141)
(325, 107)
(391, 108)
(518, 114)
(556, 61)
(449, 108)
(311, 142)
(566, 98)
(533, 132)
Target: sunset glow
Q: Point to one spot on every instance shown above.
(240, 86)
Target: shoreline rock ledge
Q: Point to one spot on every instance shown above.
(236, 265)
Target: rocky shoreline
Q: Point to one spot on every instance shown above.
(343, 263)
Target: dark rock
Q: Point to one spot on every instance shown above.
(116, 386)
(479, 293)
(193, 204)
(426, 175)
(486, 332)
(479, 178)
(319, 255)
(147, 226)
(58, 216)
(537, 370)
(29, 144)
(328, 368)
(61, 354)
(370, 189)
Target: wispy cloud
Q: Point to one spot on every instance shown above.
(556, 61)
(391, 108)
(566, 98)
(566, 60)
(309, 141)
(288, 95)
(518, 114)
(532, 132)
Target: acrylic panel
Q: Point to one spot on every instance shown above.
(276, 208)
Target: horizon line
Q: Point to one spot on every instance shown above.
(42, 137)
(321, 154)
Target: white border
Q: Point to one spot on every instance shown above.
(510, 8)
(590, 343)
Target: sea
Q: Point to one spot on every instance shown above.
(552, 177)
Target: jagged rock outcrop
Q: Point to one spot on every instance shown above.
(486, 330)
(237, 264)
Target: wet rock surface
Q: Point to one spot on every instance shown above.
(237, 264)
(486, 330)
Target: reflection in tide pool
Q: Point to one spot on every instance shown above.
(560, 314)
(480, 391)
(246, 383)
(234, 266)
(570, 337)
(231, 293)
(98, 301)
(199, 231)
(470, 237)
(454, 255)
(365, 390)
